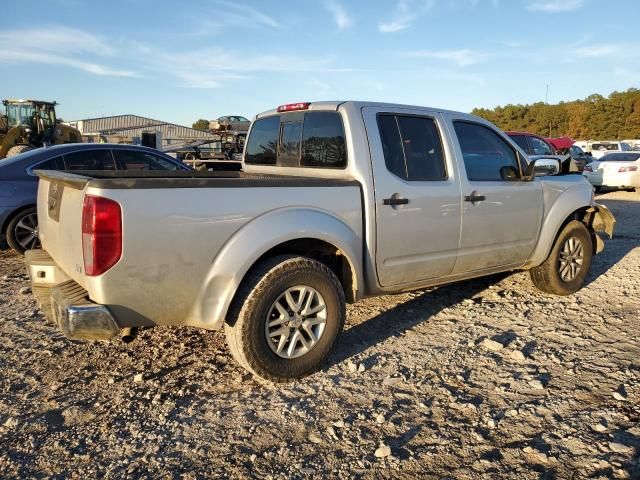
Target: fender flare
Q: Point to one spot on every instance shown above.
(256, 238)
(564, 207)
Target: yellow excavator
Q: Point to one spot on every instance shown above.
(29, 124)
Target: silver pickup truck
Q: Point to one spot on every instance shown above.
(336, 201)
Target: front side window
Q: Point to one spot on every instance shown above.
(89, 160)
(412, 147)
(134, 160)
(487, 157)
(540, 147)
(262, 145)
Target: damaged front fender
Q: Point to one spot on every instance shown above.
(599, 219)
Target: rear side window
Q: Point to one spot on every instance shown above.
(262, 146)
(133, 160)
(412, 147)
(89, 160)
(312, 139)
(53, 164)
(487, 157)
(323, 143)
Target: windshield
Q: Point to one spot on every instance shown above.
(27, 113)
(20, 114)
(620, 157)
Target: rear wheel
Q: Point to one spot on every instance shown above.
(22, 231)
(18, 149)
(285, 318)
(568, 264)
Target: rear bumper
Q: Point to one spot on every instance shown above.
(66, 303)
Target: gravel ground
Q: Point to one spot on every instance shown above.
(484, 379)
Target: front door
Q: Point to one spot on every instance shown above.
(417, 195)
(501, 212)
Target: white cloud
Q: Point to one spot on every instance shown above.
(405, 14)
(58, 45)
(341, 17)
(592, 51)
(233, 14)
(462, 58)
(555, 6)
(215, 66)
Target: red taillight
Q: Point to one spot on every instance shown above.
(292, 107)
(632, 168)
(101, 234)
(588, 169)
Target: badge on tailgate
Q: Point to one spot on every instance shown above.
(55, 199)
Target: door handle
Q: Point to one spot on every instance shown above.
(474, 197)
(395, 201)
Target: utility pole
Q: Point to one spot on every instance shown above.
(546, 95)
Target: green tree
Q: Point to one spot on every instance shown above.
(615, 117)
(201, 124)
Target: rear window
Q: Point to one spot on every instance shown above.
(610, 147)
(313, 139)
(620, 157)
(262, 145)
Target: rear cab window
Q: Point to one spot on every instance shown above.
(302, 139)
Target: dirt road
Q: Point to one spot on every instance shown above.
(485, 379)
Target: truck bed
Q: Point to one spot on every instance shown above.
(174, 227)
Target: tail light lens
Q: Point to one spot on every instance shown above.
(101, 234)
(632, 168)
(588, 168)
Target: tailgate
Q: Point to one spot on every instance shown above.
(60, 198)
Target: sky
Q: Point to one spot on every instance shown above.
(181, 61)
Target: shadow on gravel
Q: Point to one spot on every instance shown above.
(405, 316)
(625, 237)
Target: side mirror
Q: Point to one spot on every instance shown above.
(543, 167)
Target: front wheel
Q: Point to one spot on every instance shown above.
(564, 271)
(285, 318)
(22, 231)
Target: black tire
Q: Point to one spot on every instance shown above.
(248, 315)
(16, 230)
(547, 276)
(18, 149)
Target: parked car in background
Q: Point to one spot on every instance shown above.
(537, 147)
(230, 123)
(18, 184)
(615, 170)
(599, 149)
(337, 201)
(534, 145)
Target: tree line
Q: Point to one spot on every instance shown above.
(616, 117)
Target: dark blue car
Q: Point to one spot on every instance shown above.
(19, 186)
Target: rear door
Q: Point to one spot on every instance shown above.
(417, 194)
(501, 213)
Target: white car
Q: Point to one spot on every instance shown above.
(615, 170)
(600, 149)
